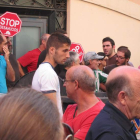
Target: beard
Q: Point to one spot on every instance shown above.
(120, 64)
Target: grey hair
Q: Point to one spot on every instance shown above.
(74, 56)
(44, 37)
(86, 62)
(86, 81)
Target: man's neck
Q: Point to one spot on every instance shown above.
(41, 48)
(50, 60)
(123, 109)
(86, 102)
(112, 55)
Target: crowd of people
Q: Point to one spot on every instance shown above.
(37, 112)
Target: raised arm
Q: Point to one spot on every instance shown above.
(10, 74)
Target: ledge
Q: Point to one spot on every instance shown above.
(125, 7)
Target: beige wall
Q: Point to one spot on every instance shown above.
(89, 21)
(136, 1)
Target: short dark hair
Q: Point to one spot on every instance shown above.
(56, 40)
(1, 38)
(114, 86)
(109, 39)
(28, 114)
(125, 50)
(101, 54)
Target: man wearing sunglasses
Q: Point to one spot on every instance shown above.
(122, 57)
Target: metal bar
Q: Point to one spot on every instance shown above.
(4, 1)
(58, 22)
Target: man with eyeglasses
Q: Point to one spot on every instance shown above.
(80, 87)
(122, 58)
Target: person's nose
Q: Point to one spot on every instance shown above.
(99, 62)
(68, 55)
(64, 85)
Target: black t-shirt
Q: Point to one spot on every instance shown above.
(14, 64)
(107, 69)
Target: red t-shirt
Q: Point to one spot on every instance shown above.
(30, 59)
(81, 123)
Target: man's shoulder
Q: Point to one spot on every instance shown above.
(101, 73)
(35, 51)
(105, 122)
(71, 108)
(108, 68)
(46, 68)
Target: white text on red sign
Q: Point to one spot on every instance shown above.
(9, 22)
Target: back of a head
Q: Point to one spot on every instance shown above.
(57, 40)
(125, 50)
(85, 77)
(101, 54)
(108, 39)
(117, 82)
(44, 37)
(1, 38)
(74, 56)
(26, 114)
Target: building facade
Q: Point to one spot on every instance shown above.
(89, 21)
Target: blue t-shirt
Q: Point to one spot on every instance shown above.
(3, 67)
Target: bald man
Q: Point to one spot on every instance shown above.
(114, 121)
(80, 87)
(30, 59)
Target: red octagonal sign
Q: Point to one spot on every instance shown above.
(77, 48)
(10, 24)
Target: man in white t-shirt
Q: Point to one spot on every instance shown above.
(45, 78)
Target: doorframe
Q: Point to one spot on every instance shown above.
(39, 23)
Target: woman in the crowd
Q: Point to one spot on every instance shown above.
(28, 115)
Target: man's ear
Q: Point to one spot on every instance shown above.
(43, 42)
(122, 97)
(90, 61)
(76, 84)
(114, 47)
(73, 64)
(127, 60)
(52, 50)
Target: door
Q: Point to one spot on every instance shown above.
(29, 36)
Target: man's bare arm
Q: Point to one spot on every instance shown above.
(10, 74)
(52, 96)
(102, 86)
(21, 72)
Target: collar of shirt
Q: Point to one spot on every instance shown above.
(118, 116)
